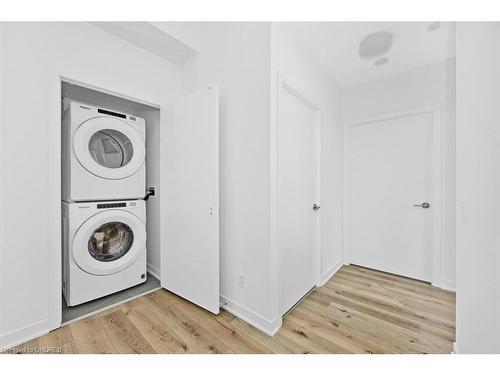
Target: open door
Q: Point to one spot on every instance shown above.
(190, 204)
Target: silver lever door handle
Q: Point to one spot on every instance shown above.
(423, 205)
(316, 207)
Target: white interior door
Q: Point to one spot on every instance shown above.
(298, 170)
(190, 208)
(390, 169)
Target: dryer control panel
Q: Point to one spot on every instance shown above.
(111, 205)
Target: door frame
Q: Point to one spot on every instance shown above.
(437, 173)
(284, 83)
(54, 218)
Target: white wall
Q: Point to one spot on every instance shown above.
(31, 51)
(243, 59)
(478, 188)
(432, 84)
(298, 67)
(236, 57)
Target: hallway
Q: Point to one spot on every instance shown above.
(359, 310)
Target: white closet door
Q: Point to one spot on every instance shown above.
(190, 204)
(390, 194)
(298, 166)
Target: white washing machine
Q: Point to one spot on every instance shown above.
(103, 154)
(104, 248)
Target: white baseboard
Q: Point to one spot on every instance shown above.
(455, 349)
(269, 327)
(448, 285)
(328, 275)
(22, 335)
(154, 271)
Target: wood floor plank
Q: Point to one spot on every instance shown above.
(412, 299)
(124, 335)
(333, 332)
(394, 321)
(312, 342)
(389, 310)
(196, 337)
(193, 340)
(386, 333)
(359, 310)
(198, 317)
(402, 306)
(256, 337)
(155, 330)
(403, 283)
(363, 326)
(90, 336)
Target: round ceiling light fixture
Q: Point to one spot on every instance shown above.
(381, 61)
(375, 45)
(434, 26)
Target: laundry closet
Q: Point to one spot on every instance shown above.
(110, 202)
(121, 229)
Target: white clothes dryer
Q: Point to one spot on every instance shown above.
(103, 154)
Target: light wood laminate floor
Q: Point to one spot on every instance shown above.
(359, 310)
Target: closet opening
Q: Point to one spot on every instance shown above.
(108, 260)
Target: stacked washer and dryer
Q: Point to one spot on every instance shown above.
(103, 210)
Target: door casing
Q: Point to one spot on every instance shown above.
(54, 219)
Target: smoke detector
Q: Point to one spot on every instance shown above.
(375, 45)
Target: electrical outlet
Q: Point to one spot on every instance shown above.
(242, 281)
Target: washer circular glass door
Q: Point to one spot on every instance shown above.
(109, 242)
(109, 147)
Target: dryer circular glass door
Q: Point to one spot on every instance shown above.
(109, 148)
(109, 242)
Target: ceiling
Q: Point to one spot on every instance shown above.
(336, 45)
(151, 38)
